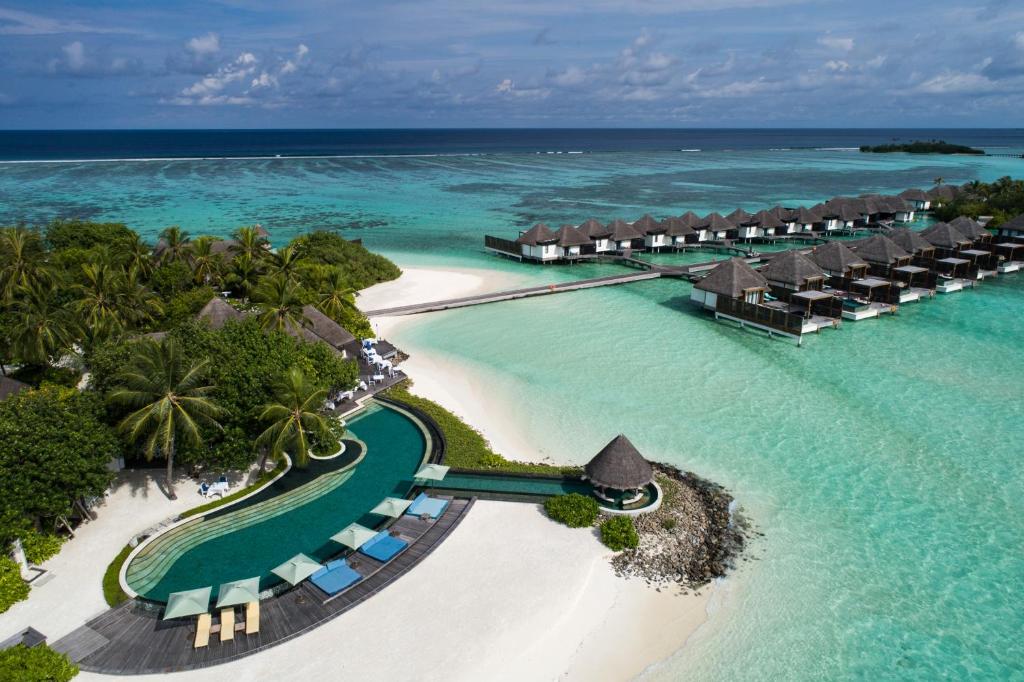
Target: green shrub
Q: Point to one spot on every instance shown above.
(669, 524)
(40, 546)
(38, 664)
(619, 533)
(12, 588)
(574, 510)
(112, 591)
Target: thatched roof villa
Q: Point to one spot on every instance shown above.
(733, 279)
(619, 466)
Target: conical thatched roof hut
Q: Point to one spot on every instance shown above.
(836, 258)
(217, 313)
(570, 236)
(622, 231)
(619, 465)
(880, 249)
(945, 235)
(767, 220)
(968, 227)
(593, 229)
(677, 227)
(538, 234)
(327, 329)
(690, 219)
(732, 278)
(716, 223)
(646, 224)
(739, 217)
(792, 269)
(910, 241)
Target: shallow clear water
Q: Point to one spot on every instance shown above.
(394, 450)
(882, 460)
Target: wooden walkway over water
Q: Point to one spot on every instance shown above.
(131, 639)
(650, 271)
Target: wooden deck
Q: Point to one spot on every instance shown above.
(131, 638)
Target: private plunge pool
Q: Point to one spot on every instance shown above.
(535, 488)
(297, 513)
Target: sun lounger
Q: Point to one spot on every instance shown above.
(252, 618)
(382, 546)
(203, 630)
(227, 623)
(429, 506)
(334, 577)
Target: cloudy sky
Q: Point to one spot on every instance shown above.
(452, 63)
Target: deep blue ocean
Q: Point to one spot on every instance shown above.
(157, 144)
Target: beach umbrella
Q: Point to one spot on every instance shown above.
(353, 535)
(391, 506)
(432, 472)
(238, 592)
(188, 603)
(296, 569)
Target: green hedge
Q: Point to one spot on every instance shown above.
(38, 664)
(574, 510)
(619, 533)
(467, 448)
(40, 546)
(112, 591)
(12, 588)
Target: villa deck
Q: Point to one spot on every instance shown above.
(131, 638)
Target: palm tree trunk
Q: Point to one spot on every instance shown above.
(170, 471)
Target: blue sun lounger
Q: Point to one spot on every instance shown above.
(334, 577)
(427, 505)
(382, 546)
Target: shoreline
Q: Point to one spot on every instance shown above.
(645, 625)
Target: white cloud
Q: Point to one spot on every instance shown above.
(952, 82)
(264, 80)
(204, 45)
(573, 75)
(506, 85)
(1018, 40)
(836, 43)
(837, 65)
(208, 89)
(876, 62)
(292, 65)
(74, 55)
(14, 22)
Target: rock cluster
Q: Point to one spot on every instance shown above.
(691, 539)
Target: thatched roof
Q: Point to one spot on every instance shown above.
(914, 195)
(943, 193)
(261, 231)
(326, 328)
(677, 227)
(594, 229)
(690, 219)
(968, 227)
(731, 278)
(791, 267)
(1015, 223)
(570, 236)
(880, 249)
(944, 235)
(9, 387)
(767, 219)
(844, 210)
(716, 223)
(739, 217)
(303, 333)
(223, 247)
(805, 216)
(217, 313)
(836, 257)
(538, 234)
(619, 465)
(646, 224)
(783, 214)
(909, 240)
(621, 231)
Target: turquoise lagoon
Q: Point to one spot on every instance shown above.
(881, 461)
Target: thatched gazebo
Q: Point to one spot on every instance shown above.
(619, 466)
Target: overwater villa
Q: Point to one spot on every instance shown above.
(839, 262)
(598, 234)
(680, 231)
(798, 284)
(918, 198)
(655, 233)
(619, 473)
(805, 219)
(973, 230)
(539, 243)
(829, 216)
(571, 242)
(1012, 228)
(947, 240)
(1011, 255)
(716, 226)
(942, 194)
(913, 243)
(625, 237)
(768, 224)
(745, 226)
(882, 254)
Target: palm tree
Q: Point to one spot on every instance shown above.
(138, 256)
(138, 302)
(285, 263)
(170, 402)
(249, 242)
(41, 329)
(206, 264)
(101, 301)
(174, 244)
(244, 274)
(281, 303)
(938, 181)
(21, 261)
(294, 417)
(334, 294)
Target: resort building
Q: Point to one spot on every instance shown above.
(942, 194)
(539, 243)
(1011, 255)
(839, 262)
(716, 226)
(744, 225)
(327, 330)
(655, 233)
(882, 254)
(625, 237)
(1012, 228)
(768, 224)
(947, 240)
(918, 198)
(680, 231)
(217, 313)
(619, 473)
(732, 279)
(806, 220)
(570, 242)
(913, 243)
(790, 272)
(846, 215)
(972, 230)
(598, 234)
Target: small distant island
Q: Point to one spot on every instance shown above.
(922, 147)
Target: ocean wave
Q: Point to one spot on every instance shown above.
(836, 149)
(270, 157)
(689, 150)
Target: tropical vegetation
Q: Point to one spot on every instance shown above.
(1002, 199)
(922, 147)
(574, 510)
(619, 533)
(35, 664)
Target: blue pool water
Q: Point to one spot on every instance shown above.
(254, 540)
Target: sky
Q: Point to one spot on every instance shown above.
(516, 63)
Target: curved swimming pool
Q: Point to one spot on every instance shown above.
(251, 539)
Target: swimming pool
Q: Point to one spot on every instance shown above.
(252, 539)
(526, 488)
